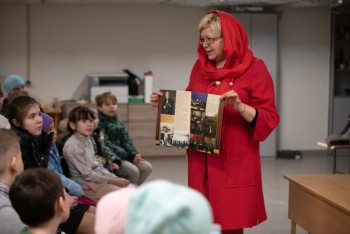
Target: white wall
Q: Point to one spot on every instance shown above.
(12, 40)
(70, 41)
(304, 77)
(67, 42)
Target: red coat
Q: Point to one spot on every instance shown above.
(232, 180)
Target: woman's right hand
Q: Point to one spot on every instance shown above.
(155, 98)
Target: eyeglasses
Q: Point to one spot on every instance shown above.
(209, 40)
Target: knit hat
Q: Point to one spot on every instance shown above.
(111, 211)
(162, 207)
(13, 81)
(47, 120)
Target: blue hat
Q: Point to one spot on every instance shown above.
(162, 207)
(13, 81)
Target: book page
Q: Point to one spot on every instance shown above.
(182, 112)
(189, 120)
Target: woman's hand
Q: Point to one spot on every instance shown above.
(232, 99)
(155, 98)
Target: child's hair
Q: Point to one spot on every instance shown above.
(9, 146)
(79, 113)
(18, 107)
(102, 98)
(95, 112)
(34, 194)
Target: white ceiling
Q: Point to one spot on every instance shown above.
(199, 3)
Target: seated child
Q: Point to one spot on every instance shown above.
(26, 120)
(11, 165)
(48, 206)
(79, 153)
(174, 209)
(13, 84)
(116, 137)
(54, 163)
(106, 156)
(73, 188)
(115, 204)
(155, 207)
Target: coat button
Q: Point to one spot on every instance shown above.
(217, 83)
(230, 84)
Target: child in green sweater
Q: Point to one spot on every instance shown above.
(116, 137)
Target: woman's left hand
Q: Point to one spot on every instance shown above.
(232, 99)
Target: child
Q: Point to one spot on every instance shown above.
(25, 119)
(13, 84)
(115, 204)
(174, 209)
(48, 204)
(11, 165)
(73, 188)
(79, 153)
(118, 140)
(55, 160)
(103, 153)
(4, 123)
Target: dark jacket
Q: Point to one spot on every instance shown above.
(103, 153)
(116, 137)
(35, 150)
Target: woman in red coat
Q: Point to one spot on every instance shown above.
(226, 66)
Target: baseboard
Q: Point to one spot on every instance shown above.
(289, 154)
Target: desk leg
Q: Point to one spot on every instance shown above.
(293, 228)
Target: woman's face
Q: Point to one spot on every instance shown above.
(33, 122)
(215, 50)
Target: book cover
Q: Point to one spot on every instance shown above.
(188, 119)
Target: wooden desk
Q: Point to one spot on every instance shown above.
(320, 203)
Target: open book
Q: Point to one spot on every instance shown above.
(189, 120)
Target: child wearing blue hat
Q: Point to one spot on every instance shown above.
(14, 86)
(14, 82)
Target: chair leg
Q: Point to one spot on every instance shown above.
(334, 152)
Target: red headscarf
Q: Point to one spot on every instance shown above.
(238, 55)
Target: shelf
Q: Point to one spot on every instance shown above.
(342, 70)
(342, 96)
